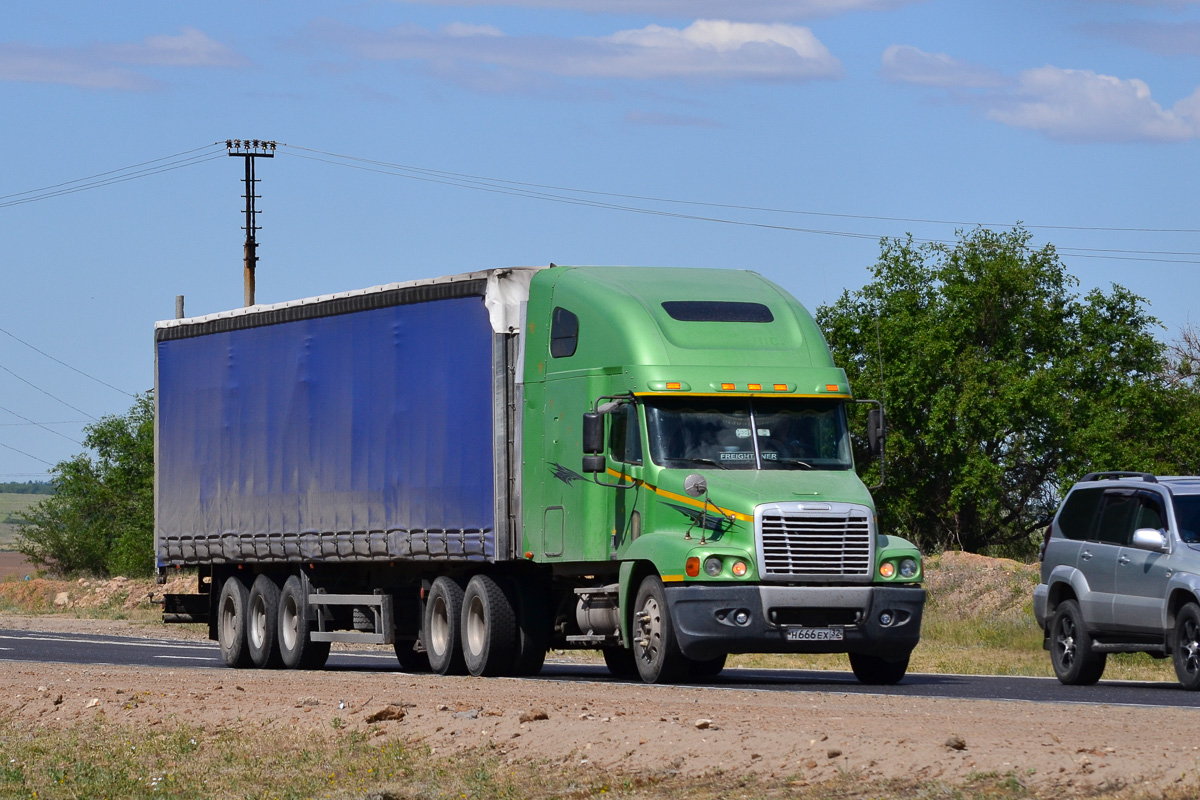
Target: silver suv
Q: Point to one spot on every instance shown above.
(1121, 574)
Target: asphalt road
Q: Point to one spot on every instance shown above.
(67, 648)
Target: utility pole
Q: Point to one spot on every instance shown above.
(250, 149)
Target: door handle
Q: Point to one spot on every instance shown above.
(1086, 555)
(1123, 559)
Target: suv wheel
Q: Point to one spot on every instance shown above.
(1186, 649)
(1075, 663)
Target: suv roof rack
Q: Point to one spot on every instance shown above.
(1100, 476)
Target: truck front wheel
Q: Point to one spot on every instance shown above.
(876, 671)
(655, 648)
(296, 649)
(443, 619)
(231, 623)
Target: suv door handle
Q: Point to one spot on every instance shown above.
(1123, 559)
(1086, 555)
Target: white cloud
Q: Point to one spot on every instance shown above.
(1066, 104)
(107, 66)
(706, 49)
(907, 64)
(743, 10)
(1083, 105)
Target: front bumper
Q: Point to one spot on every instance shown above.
(706, 619)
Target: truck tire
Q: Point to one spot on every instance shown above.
(262, 623)
(706, 668)
(231, 623)
(533, 628)
(876, 671)
(297, 650)
(489, 628)
(655, 648)
(409, 659)
(1071, 654)
(443, 620)
(1185, 647)
(620, 663)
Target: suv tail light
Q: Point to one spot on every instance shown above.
(1045, 542)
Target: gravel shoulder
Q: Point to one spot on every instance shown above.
(630, 728)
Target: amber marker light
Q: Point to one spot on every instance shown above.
(676, 385)
(755, 387)
(831, 387)
(887, 569)
(781, 387)
(727, 387)
(692, 566)
(739, 568)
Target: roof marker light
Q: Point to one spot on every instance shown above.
(676, 385)
(755, 387)
(831, 387)
(727, 387)
(781, 387)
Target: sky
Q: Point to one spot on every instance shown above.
(418, 138)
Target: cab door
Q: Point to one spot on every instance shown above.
(625, 459)
(1098, 556)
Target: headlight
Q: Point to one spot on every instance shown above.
(712, 566)
(908, 567)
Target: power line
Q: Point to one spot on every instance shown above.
(734, 206)
(56, 422)
(27, 455)
(535, 191)
(28, 421)
(43, 391)
(65, 364)
(116, 176)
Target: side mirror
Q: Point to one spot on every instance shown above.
(695, 485)
(593, 434)
(593, 464)
(876, 431)
(1149, 539)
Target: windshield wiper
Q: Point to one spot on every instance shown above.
(717, 464)
(804, 464)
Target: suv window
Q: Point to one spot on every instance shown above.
(1116, 517)
(1149, 514)
(1187, 514)
(1075, 519)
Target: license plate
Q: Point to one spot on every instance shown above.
(814, 634)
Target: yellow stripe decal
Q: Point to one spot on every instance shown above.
(679, 498)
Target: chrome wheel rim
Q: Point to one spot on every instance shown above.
(439, 627)
(650, 628)
(1189, 647)
(476, 626)
(1065, 642)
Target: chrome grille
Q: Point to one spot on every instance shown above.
(796, 544)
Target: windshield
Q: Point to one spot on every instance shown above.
(748, 433)
(1187, 514)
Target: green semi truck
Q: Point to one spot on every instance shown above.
(654, 463)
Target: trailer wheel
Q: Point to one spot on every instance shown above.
(296, 649)
(655, 649)
(443, 620)
(262, 623)
(533, 628)
(489, 628)
(876, 671)
(410, 660)
(231, 623)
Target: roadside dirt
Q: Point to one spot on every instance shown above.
(625, 728)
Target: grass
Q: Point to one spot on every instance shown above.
(101, 759)
(11, 505)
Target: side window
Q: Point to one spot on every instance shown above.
(1079, 512)
(624, 437)
(1149, 513)
(1116, 517)
(564, 333)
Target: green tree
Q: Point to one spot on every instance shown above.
(101, 519)
(1002, 386)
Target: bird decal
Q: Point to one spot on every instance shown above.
(565, 475)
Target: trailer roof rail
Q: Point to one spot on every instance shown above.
(1112, 476)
